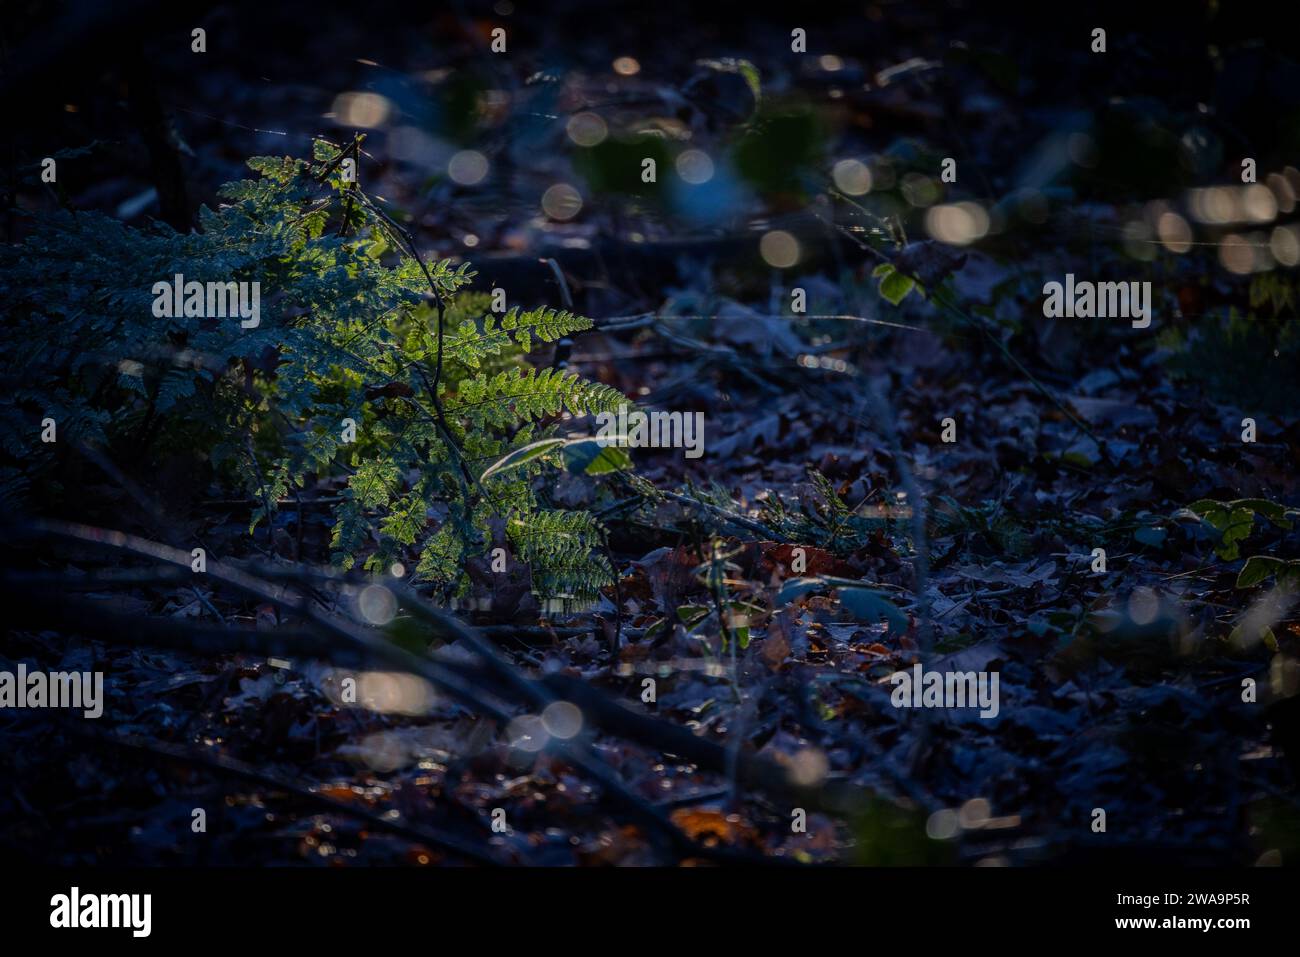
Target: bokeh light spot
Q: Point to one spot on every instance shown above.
(468, 167)
(561, 202)
(779, 249)
(357, 108)
(852, 177)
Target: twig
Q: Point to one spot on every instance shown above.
(533, 634)
(722, 513)
(563, 348)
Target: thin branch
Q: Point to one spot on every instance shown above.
(722, 513)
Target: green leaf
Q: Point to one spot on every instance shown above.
(1273, 511)
(1203, 506)
(656, 629)
(522, 455)
(1241, 638)
(1235, 529)
(1258, 568)
(591, 457)
(752, 77)
(691, 615)
(894, 285)
(1231, 521)
(373, 482)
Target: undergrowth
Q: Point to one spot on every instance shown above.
(369, 368)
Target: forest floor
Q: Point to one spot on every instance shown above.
(957, 451)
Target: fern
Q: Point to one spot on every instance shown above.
(508, 397)
(473, 341)
(349, 330)
(821, 517)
